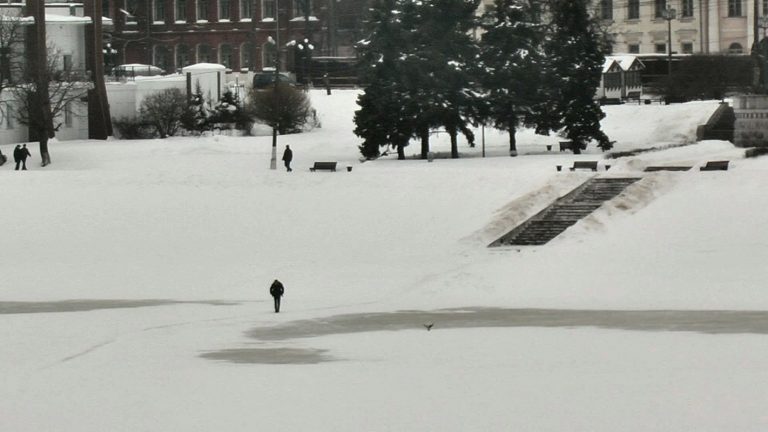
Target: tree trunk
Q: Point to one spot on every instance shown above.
(44, 154)
(512, 142)
(454, 144)
(424, 133)
(576, 146)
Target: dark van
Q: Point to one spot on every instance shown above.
(264, 80)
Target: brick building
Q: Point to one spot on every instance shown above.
(236, 33)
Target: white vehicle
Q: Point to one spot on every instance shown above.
(137, 69)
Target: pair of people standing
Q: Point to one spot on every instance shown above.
(20, 155)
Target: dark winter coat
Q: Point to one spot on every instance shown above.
(288, 155)
(17, 154)
(24, 153)
(276, 289)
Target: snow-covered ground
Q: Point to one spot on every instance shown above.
(135, 277)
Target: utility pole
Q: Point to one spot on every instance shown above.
(273, 159)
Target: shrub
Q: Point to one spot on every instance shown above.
(163, 111)
(133, 128)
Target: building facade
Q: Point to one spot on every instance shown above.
(239, 34)
(696, 26)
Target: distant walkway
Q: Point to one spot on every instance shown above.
(566, 211)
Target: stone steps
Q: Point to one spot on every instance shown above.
(566, 211)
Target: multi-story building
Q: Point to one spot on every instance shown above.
(239, 34)
(697, 26)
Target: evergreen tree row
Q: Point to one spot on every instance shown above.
(535, 64)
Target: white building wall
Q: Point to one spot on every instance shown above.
(68, 40)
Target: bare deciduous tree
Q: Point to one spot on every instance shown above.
(56, 88)
(283, 107)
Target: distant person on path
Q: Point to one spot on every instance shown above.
(277, 291)
(17, 156)
(287, 158)
(24, 154)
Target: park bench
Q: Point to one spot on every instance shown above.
(592, 165)
(569, 145)
(330, 166)
(633, 96)
(715, 166)
(667, 168)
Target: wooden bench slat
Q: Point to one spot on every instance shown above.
(330, 166)
(667, 168)
(592, 165)
(715, 166)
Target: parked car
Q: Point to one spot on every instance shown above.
(137, 69)
(262, 80)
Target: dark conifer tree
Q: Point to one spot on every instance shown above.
(510, 65)
(383, 119)
(574, 54)
(442, 55)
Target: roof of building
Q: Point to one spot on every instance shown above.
(624, 61)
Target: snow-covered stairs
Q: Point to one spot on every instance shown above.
(566, 211)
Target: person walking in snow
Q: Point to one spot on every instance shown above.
(277, 291)
(287, 158)
(23, 154)
(17, 156)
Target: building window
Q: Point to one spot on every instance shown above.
(633, 9)
(246, 56)
(659, 7)
(268, 55)
(68, 115)
(67, 62)
(224, 10)
(633, 48)
(131, 9)
(7, 114)
(734, 8)
(632, 79)
(301, 8)
(686, 47)
(182, 56)
(204, 54)
(268, 9)
(202, 10)
(246, 9)
(687, 6)
(159, 10)
(606, 9)
(162, 57)
(661, 48)
(181, 10)
(225, 55)
(735, 48)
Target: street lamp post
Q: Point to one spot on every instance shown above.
(273, 159)
(669, 14)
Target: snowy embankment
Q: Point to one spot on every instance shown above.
(205, 222)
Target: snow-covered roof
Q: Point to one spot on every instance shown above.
(624, 61)
(203, 67)
(59, 19)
